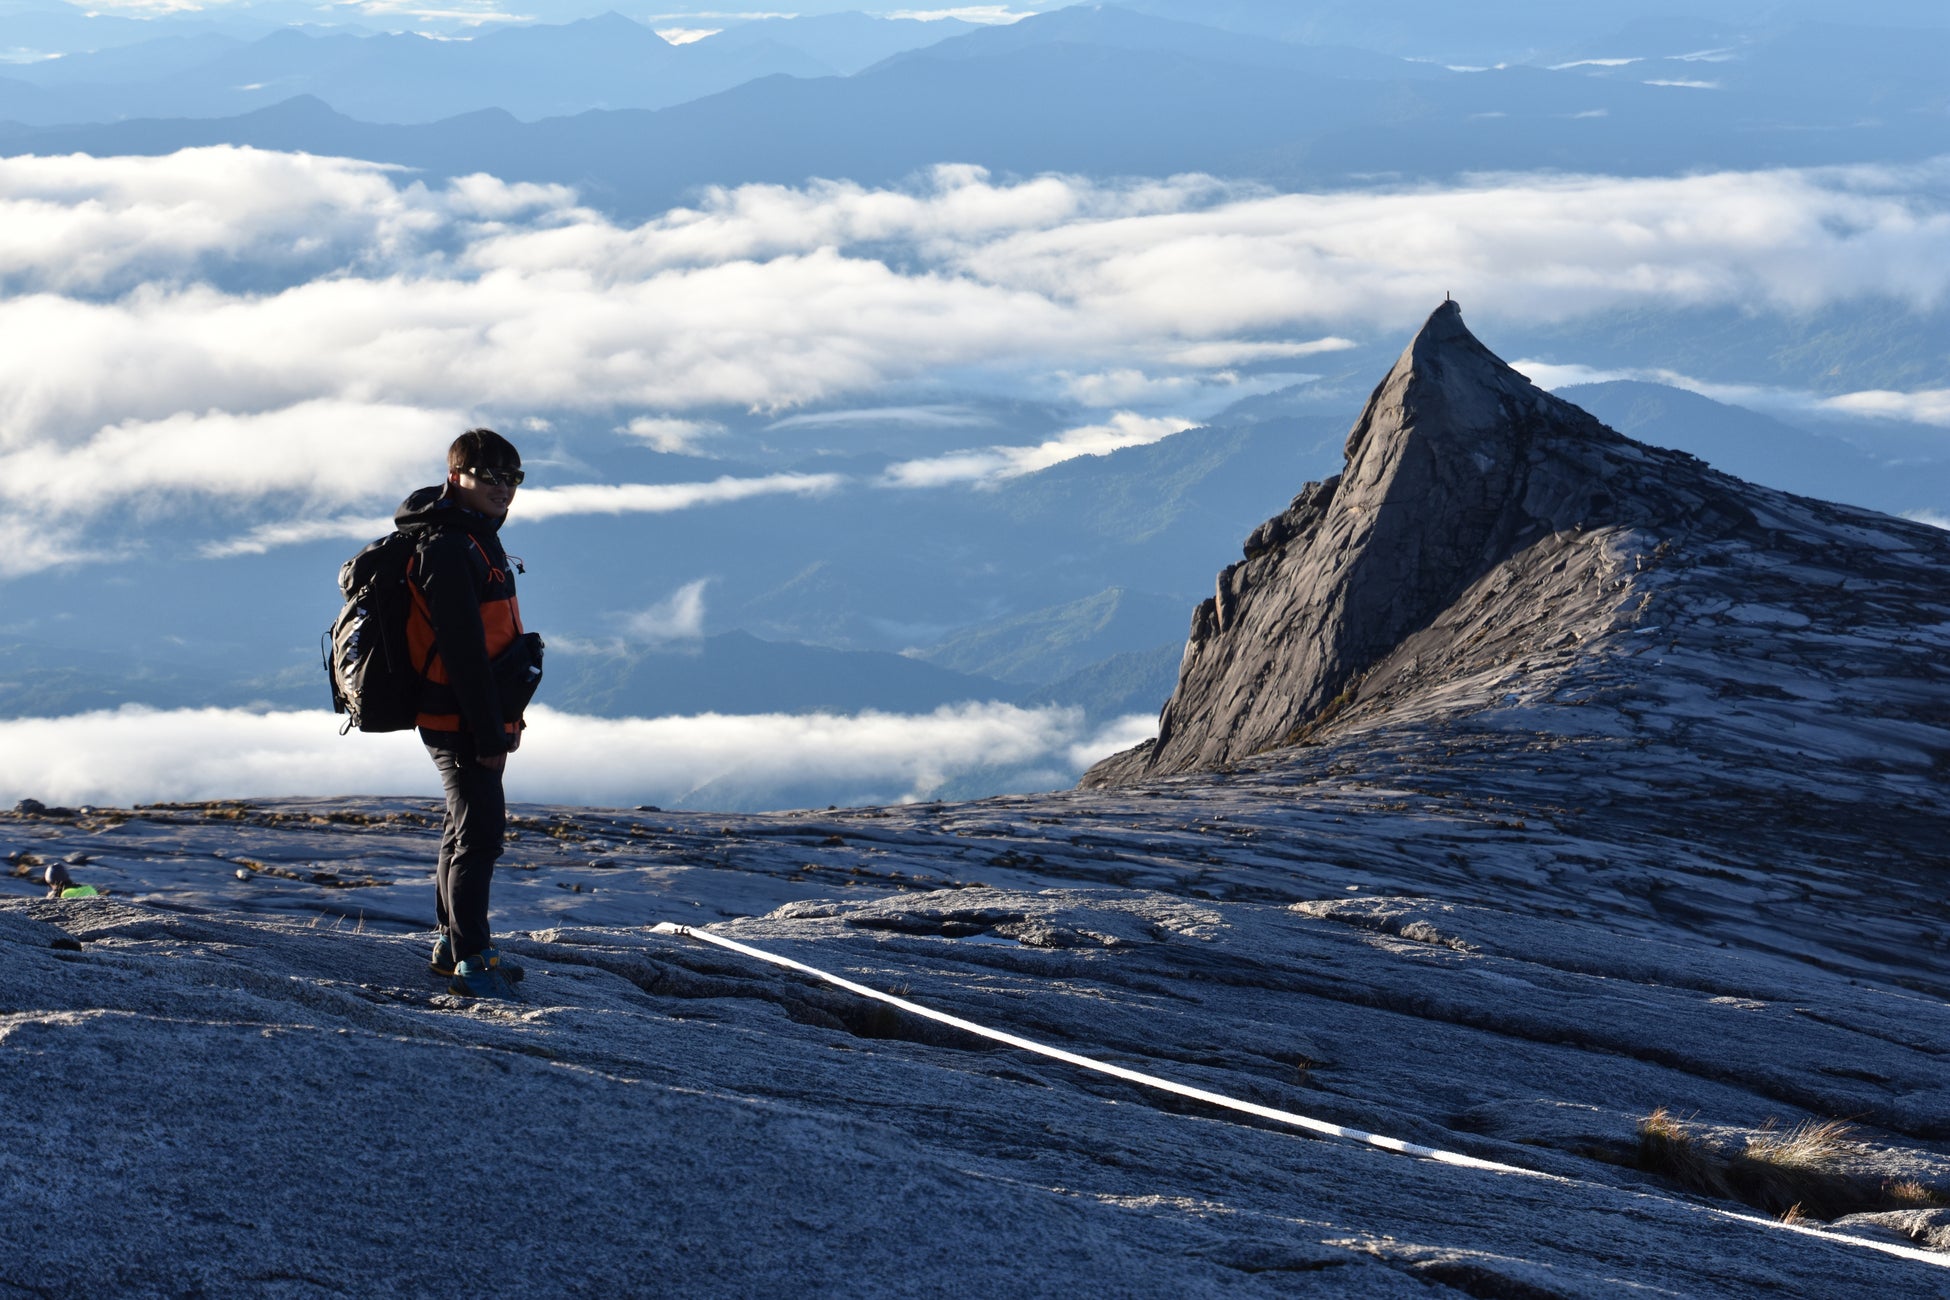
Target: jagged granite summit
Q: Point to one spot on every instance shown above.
(1478, 520)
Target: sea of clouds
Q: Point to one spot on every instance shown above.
(235, 325)
(289, 339)
(138, 755)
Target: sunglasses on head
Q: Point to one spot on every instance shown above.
(497, 477)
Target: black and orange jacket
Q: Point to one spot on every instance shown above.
(464, 614)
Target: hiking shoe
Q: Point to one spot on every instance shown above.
(481, 976)
(442, 962)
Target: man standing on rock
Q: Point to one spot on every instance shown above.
(465, 625)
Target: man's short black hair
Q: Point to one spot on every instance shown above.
(482, 447)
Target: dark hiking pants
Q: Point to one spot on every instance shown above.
(470, 842)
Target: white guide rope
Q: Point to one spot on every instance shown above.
(1250, 1108)
(1103, 1067)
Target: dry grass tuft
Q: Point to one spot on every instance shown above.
(1808, 1145)
(1908, 1194)
(1666, 1147)
(1804, 1173)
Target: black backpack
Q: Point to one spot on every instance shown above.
(374, 680)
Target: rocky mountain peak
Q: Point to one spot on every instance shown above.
(1445, 382)
(1478, 520)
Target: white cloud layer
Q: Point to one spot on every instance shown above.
(1232, 354)
(919, 417)
(326, 452)
(1125, 429)
(78, 223)
(474, 15)
(141, 755)
(535, 504)
(989, 14)
(670, 434)
(532, 505)
(299, 532)
(406, 307)
(1924, 406)
(678, 617)
(27, 545)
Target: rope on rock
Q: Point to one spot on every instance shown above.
(1104, 1067)
(1287, 1117)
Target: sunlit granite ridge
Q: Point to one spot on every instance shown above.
(1487, 539)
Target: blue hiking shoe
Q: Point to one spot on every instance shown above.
(481, 976)
(442, 962)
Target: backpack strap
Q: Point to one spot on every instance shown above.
(413, 563)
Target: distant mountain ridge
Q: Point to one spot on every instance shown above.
(1099, 93)
(736, 672)
(1758, 447)
(1116, 27)
(1045, 644)
(528, 71)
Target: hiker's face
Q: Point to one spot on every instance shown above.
(479, 495)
